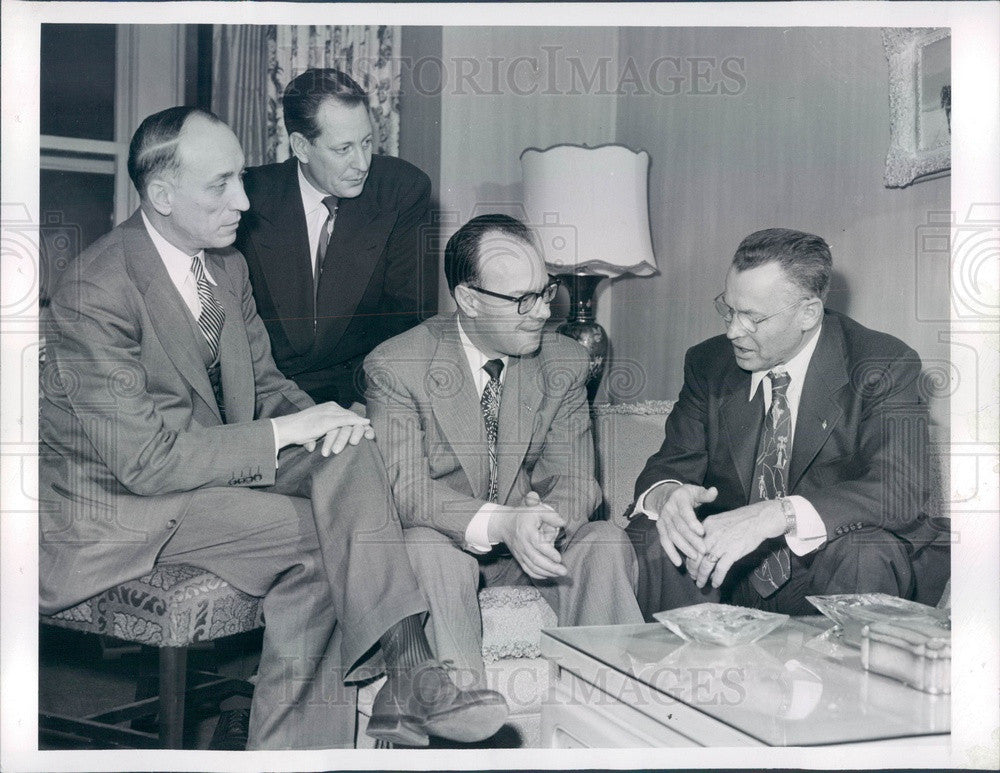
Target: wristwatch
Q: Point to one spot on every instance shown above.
(789, 510)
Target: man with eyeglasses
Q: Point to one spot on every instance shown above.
(483, 422)
(795, 458)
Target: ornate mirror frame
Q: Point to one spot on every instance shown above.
(906, 162)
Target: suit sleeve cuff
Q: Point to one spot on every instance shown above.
(477, 534)
(640, 503)
(810, 531)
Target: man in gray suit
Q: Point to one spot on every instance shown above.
(169, 436)
(484, 426)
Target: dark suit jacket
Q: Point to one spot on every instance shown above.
(129, 424)
(373, 279)
(429, 427)
(860, 449)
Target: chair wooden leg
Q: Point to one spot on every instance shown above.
(173, 681)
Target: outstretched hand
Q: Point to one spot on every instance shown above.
(335, 425)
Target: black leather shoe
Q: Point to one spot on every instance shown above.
(231, 731)
(423, 701)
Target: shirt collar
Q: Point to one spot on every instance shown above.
(312, 197)
(796, 367)
(176, 261)
(476, 358)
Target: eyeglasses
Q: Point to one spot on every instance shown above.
(526, 302)
(749, 323)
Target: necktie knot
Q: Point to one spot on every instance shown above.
(331, 203)
(779, 381)
(494, 368)
(197, 269)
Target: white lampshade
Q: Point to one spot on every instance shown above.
(590, 209)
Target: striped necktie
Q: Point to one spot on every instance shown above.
(212, 316)
(490, 403)
(770, 481)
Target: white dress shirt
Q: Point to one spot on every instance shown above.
(178, 265)
(477, 539)
(316, 213)
(810, 532)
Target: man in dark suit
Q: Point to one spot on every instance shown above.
(485, 428)
(795, 459)
(169, 436)
(333, 239)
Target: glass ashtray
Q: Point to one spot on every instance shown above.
(720, 624)
(853, 611)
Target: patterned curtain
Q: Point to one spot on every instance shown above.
(363, 52)
(252, 64)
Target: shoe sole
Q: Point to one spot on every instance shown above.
(402, 731)
(468, 724)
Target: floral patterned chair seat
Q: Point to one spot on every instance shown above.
(170, 608)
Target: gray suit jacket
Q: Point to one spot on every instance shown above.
(129, 424)
(429, 427)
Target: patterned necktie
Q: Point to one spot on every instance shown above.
(331, 203)
(770, 480)
(212, 316)
(490, 403)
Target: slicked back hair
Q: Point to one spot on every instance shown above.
(461, 254)
(305, 94)
(153, 148)
(804, 258)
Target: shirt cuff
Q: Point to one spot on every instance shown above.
(640, 503)
(274, 432)
(477, 533)
(810, 531)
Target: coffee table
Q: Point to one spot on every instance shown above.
(642, 685)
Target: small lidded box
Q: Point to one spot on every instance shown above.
(917, 652)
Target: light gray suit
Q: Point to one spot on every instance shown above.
(425, 408)
(137, 467)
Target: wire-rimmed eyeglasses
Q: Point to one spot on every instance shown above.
(749, 323)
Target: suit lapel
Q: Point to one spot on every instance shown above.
(819, 410)
(283, 232)
(455, 405)
(237, 367)
(519, 402)
(166, 308)
(351, 256)
(740, 423)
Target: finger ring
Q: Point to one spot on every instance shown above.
(712, 557)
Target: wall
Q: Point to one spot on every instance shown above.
(518, 99)
(802, 145)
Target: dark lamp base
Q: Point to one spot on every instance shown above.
(582, 326)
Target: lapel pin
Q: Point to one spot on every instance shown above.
(824, 424)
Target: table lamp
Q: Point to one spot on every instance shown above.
(589, 207)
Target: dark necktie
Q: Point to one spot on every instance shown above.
(331, 203)
(770, 480)
(212, 316)
(490, 403)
